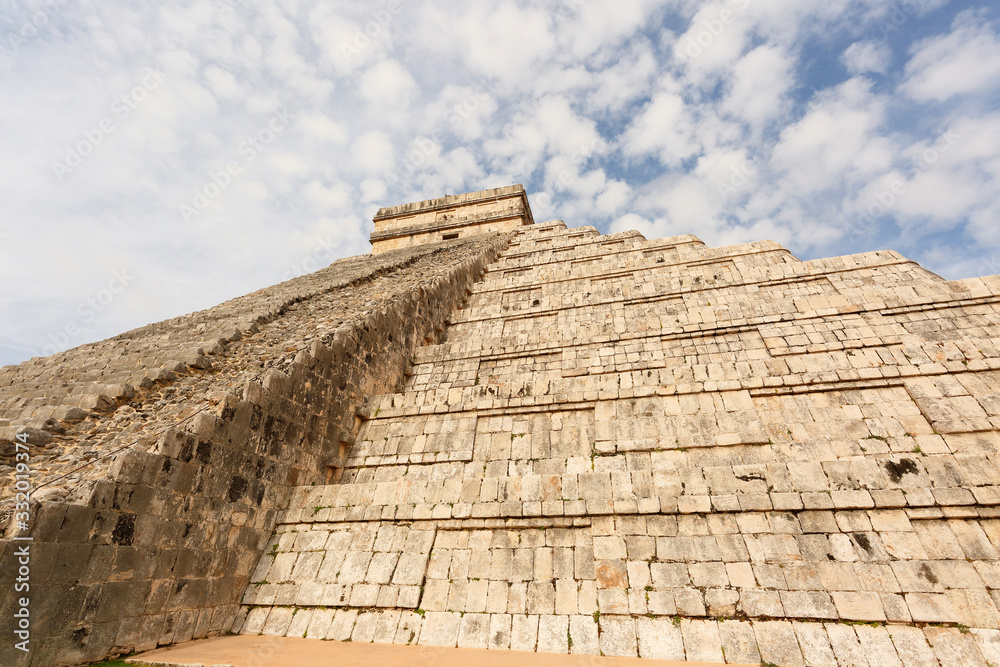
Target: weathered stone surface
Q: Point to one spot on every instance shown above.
(451, 217)
(739, 644)
(179, 520)
(777, 642)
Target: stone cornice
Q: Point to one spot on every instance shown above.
(456, 201)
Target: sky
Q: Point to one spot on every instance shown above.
(159, 158)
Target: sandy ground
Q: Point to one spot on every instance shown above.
(254, 651)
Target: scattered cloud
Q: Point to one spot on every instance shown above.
(387, 84)
(374, 152)
(964, 61)
(759, 86)
(665, 128)
(865, 57)
(832, 126)
(838, 140)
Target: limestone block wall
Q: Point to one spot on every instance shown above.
(660, 449)
(502, 222)
(498, 210)
(155, 543)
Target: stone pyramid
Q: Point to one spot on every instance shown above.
(493, 433)
(630, 447)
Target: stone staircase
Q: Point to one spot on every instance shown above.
(658, 449)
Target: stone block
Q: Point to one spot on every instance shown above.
(778, 643)
(474, 631)
(739, 644)
(659, 639)
(441, 629)
(524, 632)
(930, 608)
(859, 606)
(808, 604)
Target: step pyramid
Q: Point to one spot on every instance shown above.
(654, 448)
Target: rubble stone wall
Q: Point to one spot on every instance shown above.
(155, 544)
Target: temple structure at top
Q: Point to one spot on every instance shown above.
(451, 217)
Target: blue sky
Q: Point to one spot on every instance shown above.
(160, 159)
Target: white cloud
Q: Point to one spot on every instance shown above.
(759, 230)
(343, 42)
(965, 61)
(373, 190)
(334, 198)
(387, 83)
(223, 83)
(374, 152)
(567, 132)
(760, 83)
(714, 41)
(603, 110)
(731, 171)
(518, 150)
(663, 128)
(464, 111)
(631, 221)
(691, 203)
(445, 172)
(321, 127)
(948, 178)
(616, 195)
(628, 78)
(502, 41)
(864, 57)
(837, 140)
(598, 24)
